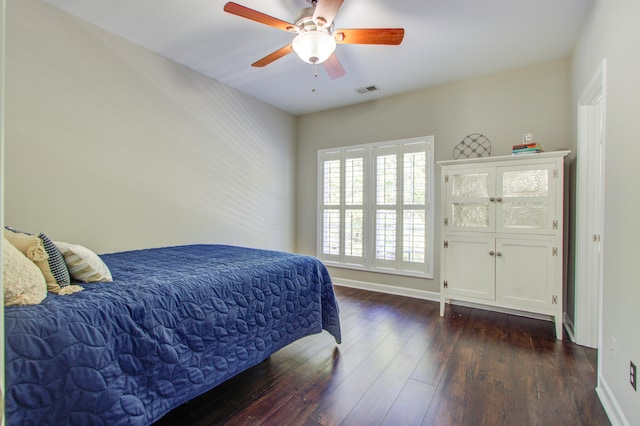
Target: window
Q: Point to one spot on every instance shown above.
(375, 210)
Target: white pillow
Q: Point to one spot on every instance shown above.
(24, 283)
(83, 264)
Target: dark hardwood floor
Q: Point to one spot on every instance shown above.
(400, 363)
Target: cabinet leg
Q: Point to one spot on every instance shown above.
(558, 321)
(442, 303)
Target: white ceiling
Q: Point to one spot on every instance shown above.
(445, 40)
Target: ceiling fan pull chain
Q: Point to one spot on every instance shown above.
(315, 75)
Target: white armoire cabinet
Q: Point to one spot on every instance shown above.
(502, 233)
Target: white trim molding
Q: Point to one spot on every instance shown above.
(590, 211)
(610, 404)
(388, 289)
(432, 296)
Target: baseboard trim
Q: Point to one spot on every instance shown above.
(610, 404)
(430, 295)
(388, 289)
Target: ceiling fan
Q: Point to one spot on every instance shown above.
(316, 38)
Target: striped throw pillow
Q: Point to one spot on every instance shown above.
(83, 264)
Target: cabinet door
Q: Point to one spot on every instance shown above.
(469, 267)
(526, 199)
(469, 194)
(525, 273)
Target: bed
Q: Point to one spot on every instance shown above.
(174, 323)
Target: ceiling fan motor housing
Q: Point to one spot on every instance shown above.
(305, 22)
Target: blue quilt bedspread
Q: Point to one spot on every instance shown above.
(174, 323)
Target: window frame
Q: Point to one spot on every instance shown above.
(369, 262)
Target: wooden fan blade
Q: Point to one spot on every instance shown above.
(333, 67)
(326, 11)
(390, 36)
(273, 56)
(254, 15)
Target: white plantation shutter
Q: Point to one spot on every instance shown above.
(375, 211)
(414, 231)
(354, 207)
(386, 185)
(331, 217)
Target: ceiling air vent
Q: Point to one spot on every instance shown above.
(363, 90)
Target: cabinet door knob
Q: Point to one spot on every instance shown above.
(499, 199)
(491, 253)
(499, 253)
(492, 199)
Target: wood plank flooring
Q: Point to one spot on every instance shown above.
(400, 363)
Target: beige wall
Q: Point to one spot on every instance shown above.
(500, 106)
(115, 147)
(612, 32)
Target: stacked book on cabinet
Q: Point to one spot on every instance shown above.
(526, 148)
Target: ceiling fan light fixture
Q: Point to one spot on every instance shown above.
(314, 47)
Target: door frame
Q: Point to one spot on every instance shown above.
(590, 220)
